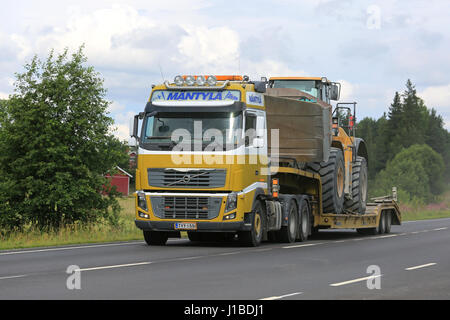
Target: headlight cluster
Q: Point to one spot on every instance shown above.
(142, 201)
(231, 202)
(197, 80)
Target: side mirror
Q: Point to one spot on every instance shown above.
(335, 92)
(135, 127)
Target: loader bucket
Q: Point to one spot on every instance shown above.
(304, 127)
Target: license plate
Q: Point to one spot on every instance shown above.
(186, 226)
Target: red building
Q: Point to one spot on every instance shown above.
(121, 180)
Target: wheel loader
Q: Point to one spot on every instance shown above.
(344, 169)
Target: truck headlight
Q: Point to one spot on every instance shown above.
(142, 201)
(231, 202)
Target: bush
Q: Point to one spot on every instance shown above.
(56, 146)
(416, 171)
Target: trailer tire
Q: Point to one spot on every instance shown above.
(304, 225)
(382, 224)
(388, 222)
(359, 187)
(155, 238)
(332, 174)
(253, 237)
(288, 234)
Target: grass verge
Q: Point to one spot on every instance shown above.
(77, 234)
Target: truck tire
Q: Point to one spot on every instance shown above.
(253, 237)
(304, 226)
(359, 187)
(194, 236)
(156, 238)
(288, 234)
(332, 175)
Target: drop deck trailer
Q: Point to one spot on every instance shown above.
(380, 215)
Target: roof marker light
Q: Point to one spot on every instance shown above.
(190, 80)
(179, 81)
(212, 81)
(201, 80)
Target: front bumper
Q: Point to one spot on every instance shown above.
(201, 226)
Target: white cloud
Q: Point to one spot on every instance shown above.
(4, 96)
(347, 91)
(436, 96)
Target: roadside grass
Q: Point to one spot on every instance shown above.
(77, 234)
(436, 210)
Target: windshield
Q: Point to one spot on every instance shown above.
(166, 129)
(308, 86)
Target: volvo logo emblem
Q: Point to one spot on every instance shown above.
(186, 178)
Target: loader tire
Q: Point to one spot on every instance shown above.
(359, 187)
(332, 175)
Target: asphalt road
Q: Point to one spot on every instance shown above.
(414, 263)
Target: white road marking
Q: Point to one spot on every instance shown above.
(71, 248)
(283, 296)
(13, 277)
(354, 280)
(387, 236)
(421, 266)
(340, 241)
(115, 266)
(228, 253)
(437, 229)
(302, 245)
(190, 258)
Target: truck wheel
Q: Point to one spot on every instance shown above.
(288, 233)
(155, 238)
(388, 222)
(304, 226)
(194, 236)
(359, 187)
(332, 174)
(253, 237)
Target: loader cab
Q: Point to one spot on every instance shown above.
(319, 88)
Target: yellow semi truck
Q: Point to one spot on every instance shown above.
(221, 156)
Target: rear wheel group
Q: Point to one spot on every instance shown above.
(384, 225)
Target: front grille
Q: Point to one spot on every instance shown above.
(201, 178)
(170, 207)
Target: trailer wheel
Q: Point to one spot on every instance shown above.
(288, 233)
(253, 237)
(359, 187)
(382, 223)
(388, 222)
(332, 174)
(155, 238)
(304, 225)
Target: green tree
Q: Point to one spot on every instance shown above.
(417, 171)
(56, 146)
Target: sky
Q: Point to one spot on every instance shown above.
(371, 47)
